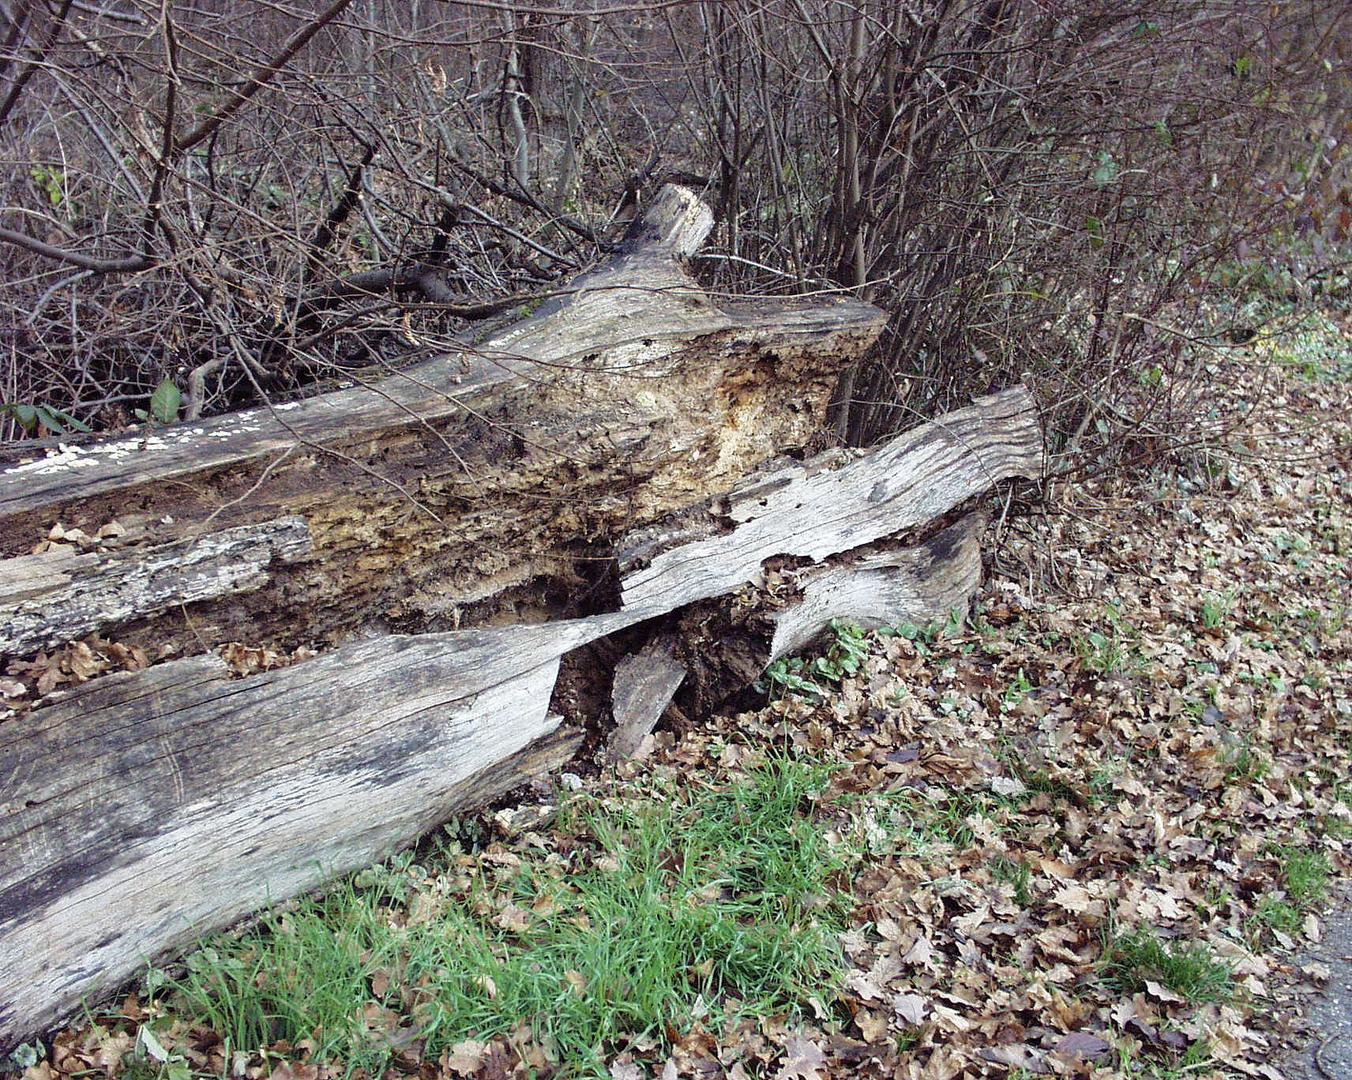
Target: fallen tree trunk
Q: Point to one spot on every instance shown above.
(144, 808)
(427, 495)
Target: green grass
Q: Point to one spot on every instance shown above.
(926, 825)
(1017, 875)
(1108, 652)
(1027, 765)
(1189, 969)
(1216, 610)
(1244, 764)
(1314, 347)
(1191, 1062)
(1274, 913)
(718, 899)
(1305, 874)
(1335, 826)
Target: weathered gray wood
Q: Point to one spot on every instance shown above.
(815, 509)
(59, 596)
(631, 394)
(729, 642)
(645, 683)
(142, 809)
(918, 585)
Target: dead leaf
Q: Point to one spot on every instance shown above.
(909, 1009)
(803, 1060)
(1082, 1046)
(464, 1058)
(289, 1070)
(513, 919)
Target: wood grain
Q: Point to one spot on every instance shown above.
(815, 509)
(433, 491)
(915, 585)
(146, 808)
(645, 683)
(142, 809)
(56, 597)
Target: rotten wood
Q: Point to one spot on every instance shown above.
(141, 809)
(586, 473)
(512, 465)
(62, 595)
(645, 682)
(915, 585)
(727, 643)
(820, 507)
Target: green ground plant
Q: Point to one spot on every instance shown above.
(1306, 875)
(718, 901)
(1131, 958)
(847, 646)
(1017, 875)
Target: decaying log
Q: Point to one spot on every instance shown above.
(819, 508)
(598, 466)
(142, 808)
(630, 395)
(916, 585)
(645, 682)
(62, 595)
(727, 643)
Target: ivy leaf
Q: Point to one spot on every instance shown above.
(165, 402)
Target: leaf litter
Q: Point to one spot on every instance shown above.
(1097, 822)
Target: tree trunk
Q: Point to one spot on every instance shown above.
(609, 471)
(426, 495)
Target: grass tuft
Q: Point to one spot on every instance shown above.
(711, 902)
(1188, 969)
(1017, 875)
(1306, 874)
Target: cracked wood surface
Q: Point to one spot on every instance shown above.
(434, 491)
(917, 585)
(59, 596)
(818, 507)
(140, 810)
(644, 684)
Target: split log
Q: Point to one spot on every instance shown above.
(819, 507)
(142, 809)
(645, 682)
(630, 395)
(916, 586)
(62, 595)
(587, 466)
(728, 643)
